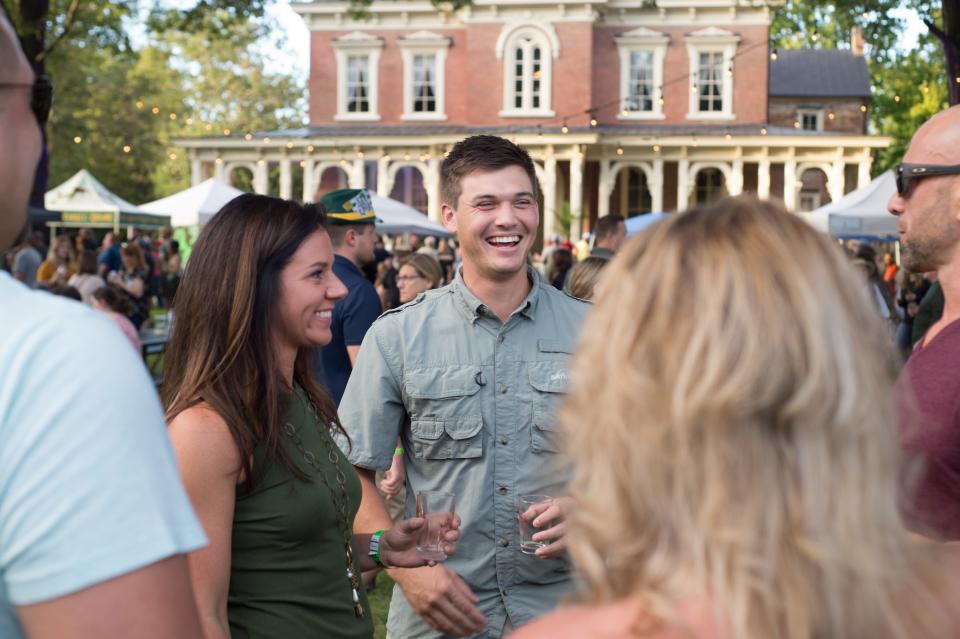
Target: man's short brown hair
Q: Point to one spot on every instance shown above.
(480, 153)
(607, 225)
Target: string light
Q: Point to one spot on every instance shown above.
(406, 157)
(173, 116)
(386, 158)
(289, 145)
(310, 149)
(831, 115)
(226, 131)
(863, 108)
(218, 161)
(728, 136)
(266, 140)
(173, 156)
(593, 122)
(77, 139)
(773, 54)
(303, 164)
(896, 98)
(260, 163)
(359, 155)
(564, 128)
(343, 162)
(619, 150)
(815, 36)
(763, 130)
(248, 137)
(796, 124)
(189, 120)
(139, 104)
(656, 148)
(155, 110)
(126, 148)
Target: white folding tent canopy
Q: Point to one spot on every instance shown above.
(401, 218)
(85, 202)
(861, 213)
(196, 205)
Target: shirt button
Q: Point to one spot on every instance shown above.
(499, 339)
(504, 440)
(503, 389)
(504, 542)
(503, 490)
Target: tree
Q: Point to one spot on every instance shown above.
(947, 14)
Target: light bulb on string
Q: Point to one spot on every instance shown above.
(773, 54)
(656, 148)
(266, 140)
(564, 128)
(189, 120)
(173, 116)
(173, 156)
(139, 104)
(310, 148)
(77, 139)
(289, 145)
(248, 137)
(763, 130)
(155, 110)
(831, 115)
(796, 124)
(896, 98)
(619, 150)
(126, 148)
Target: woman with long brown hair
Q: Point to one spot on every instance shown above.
(254, 433)
(742, 477)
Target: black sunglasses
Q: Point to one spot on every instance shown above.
(41, 96)
(909, 174)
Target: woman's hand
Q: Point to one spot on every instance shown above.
(398, 546)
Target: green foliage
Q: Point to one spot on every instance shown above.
(106, 93)
(807, 23)
(563, 217)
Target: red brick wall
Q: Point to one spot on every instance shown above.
(586, 73)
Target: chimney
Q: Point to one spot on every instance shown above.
(856, 41)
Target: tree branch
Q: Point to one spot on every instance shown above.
(71, 17)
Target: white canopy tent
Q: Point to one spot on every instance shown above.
(861, 213)
(196, 205)
(401, 218)
(85, 202)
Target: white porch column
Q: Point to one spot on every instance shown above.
(576, 195)
(790, 184)
(607, 182)
(261, 178)
(309, 188)
(656, 195)
(863, 170)
(383, 179)
(550, 197)
(196, 171)
(286, 181)
(763, 179)
(683, 184)
(432, 185)
(355, 176)
(736, 177)
(836, 179)
(218, 171)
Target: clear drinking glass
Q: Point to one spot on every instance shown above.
(527, 531)
(438, 508)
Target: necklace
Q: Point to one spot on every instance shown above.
(341, 501)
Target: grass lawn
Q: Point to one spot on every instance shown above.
(380, 604)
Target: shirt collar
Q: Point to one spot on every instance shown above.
(345, 263)
(475, 309)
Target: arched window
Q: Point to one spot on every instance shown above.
(710, 186)
(527, 53)
(632, 193)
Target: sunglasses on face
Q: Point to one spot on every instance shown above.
(41, 96)
(909, 174)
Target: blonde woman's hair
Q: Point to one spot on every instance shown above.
(742, 437)
(427, 267)
(584, 277)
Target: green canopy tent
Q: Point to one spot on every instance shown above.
(84, 202)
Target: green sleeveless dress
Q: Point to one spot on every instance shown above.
(288, 565)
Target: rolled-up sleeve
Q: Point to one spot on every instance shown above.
(372, 410)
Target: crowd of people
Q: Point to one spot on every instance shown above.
(719, 440)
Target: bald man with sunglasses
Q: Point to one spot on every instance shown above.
(927, 205)
(94, 523)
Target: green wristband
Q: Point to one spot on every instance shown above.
(375, 548)
(398, 452)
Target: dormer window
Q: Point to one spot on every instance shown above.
(528, 54)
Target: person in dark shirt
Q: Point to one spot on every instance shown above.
(351, 216)
(928, 194)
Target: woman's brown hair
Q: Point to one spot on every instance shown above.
(130, 249)
(222, 353)
(427, 267)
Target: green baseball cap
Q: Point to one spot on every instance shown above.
(349, 206)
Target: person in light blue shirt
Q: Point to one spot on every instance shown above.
(94, 522)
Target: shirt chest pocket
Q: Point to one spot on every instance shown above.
(549, 381)
(446, 420)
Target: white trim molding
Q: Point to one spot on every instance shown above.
(712, 40)
(358, 44)
(529, 37)
(642, 40)
(424, 43)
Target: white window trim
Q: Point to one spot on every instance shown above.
(711, 40)
(819, 113)
(358, 44)
(642, 40)
(545, 36)
(424, 43)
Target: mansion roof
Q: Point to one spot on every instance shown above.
(820, 73)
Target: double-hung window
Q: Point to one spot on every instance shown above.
(424, 70)
(642, 52)
(358, 76)
(711, 53)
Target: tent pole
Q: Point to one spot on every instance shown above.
(896, 251)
